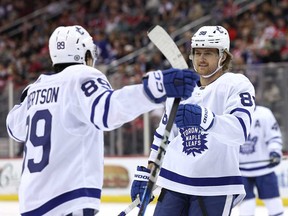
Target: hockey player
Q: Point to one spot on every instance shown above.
(200, 173)
(62, 117)
(264, 142)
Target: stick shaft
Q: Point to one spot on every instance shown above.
(160, 155)
(261, 161)
(169, 49)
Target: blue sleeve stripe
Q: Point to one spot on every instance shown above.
(254, 168)
(211, 123)
(276, 139)
(63, 198)
(244, 111)
(96, 101)
(155, 147)
(243, 127)
(201, 182)
(158, 135)
(106, 111)
(14, 136)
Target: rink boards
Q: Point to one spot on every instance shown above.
(118, 176)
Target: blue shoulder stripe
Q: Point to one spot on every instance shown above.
(96, 101)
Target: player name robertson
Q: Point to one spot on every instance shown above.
(42, 96)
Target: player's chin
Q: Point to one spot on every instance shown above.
(202, 71)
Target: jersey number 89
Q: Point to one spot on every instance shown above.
(39, 134)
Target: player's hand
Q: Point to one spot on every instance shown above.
(275, 159)
(139, 184)
(189, 115)
(169, 83)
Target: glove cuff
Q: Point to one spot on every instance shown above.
(207, 118)
(142, 174)
(154, 87)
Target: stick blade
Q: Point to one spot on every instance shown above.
(167, 46)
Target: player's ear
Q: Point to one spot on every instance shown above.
(88, 58)
(223, 58)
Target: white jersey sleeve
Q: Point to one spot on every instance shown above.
(265, 136)
(107, 108)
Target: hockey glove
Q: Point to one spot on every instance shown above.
(275, 159)
(140, 181)
(189, 115)
(169, 83)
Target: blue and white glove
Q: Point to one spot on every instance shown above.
(159, 85)
(275, 159)
(140, 181)
(189, 115)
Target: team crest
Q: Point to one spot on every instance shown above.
(249, 146)
(194, 140)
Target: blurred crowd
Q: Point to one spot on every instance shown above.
(258, 35)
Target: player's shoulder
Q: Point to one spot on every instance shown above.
(80, 72)
(262, 109)
(234, 78)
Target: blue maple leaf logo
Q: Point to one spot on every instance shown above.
(249, 146)
(194, 140)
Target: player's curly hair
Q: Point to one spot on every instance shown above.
(227, 64)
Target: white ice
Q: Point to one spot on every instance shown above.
(113, 209)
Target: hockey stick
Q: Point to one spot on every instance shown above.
(260, 161)
(169, 49)
(130, 207)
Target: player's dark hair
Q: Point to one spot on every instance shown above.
(60, 67)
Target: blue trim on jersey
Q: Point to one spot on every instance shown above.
(274, 139)
(106, 111)
(244, 111)
(211, 122)
(241, 120)
(13, 135)
(155, 147)
(198, 182)
(243, 127)
(59, 200)
(158, 135)
(254, 168)
(95, 102)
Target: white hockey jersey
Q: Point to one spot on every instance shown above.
(265, 136)
(61, 122)
(206, 163)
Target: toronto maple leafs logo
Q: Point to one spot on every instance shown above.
(249, 146)
(193, 140)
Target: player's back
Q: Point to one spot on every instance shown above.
(64, 150)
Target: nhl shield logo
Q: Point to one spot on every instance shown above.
(193, 140)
